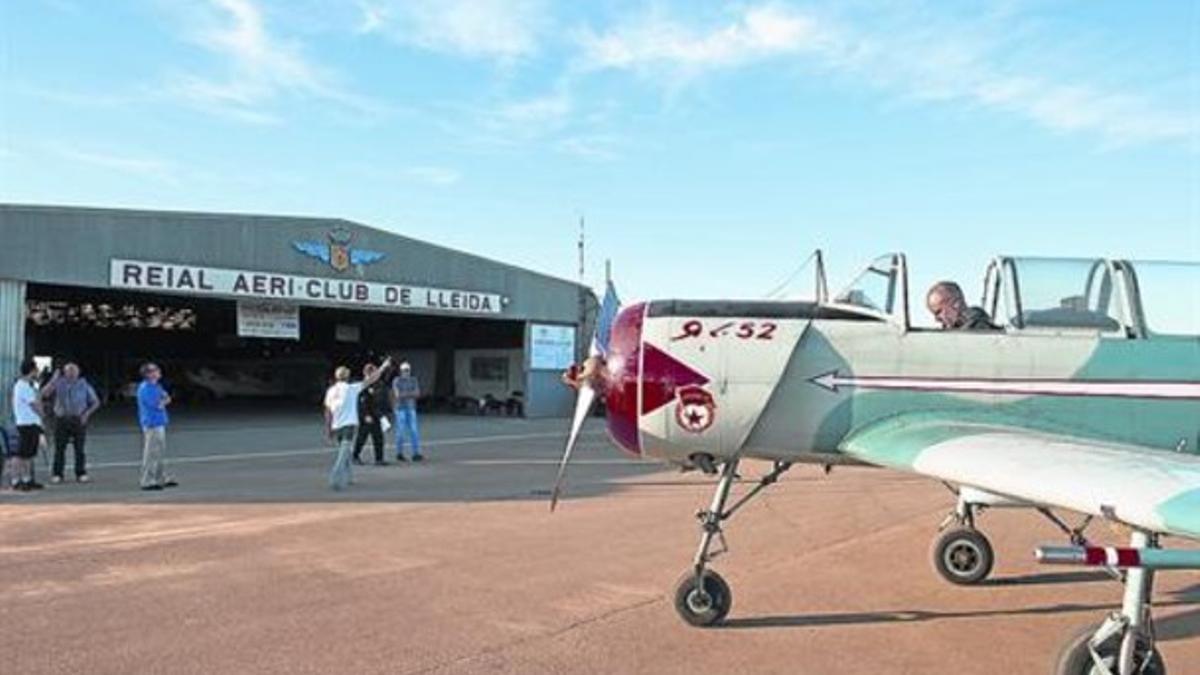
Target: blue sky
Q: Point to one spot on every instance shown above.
(710, 145)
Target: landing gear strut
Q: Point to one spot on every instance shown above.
(1124, 643)
(961, 554)
(702, 597)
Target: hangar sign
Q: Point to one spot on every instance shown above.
(276, 320)
(195, 280)
(551, 347)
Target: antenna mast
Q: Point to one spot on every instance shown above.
(582, 247)
(580, 348)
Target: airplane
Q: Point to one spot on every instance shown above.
(1085, 398)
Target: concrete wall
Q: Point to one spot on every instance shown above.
(547, 396)
(12, 340)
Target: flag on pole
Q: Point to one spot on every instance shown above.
(609, 307)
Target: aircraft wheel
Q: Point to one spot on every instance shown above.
(705, 606)
(963, 556)
(1076, 658)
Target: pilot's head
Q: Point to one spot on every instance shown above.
(946, 303)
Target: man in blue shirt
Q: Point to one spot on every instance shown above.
(406, 389)
(152, 416)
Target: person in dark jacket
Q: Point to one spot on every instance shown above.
(372, 407)
(949, 306)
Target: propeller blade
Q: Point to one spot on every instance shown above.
(583, 407)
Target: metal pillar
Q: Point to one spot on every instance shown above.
(12, 339)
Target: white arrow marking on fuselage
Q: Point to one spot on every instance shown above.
(1016, 386)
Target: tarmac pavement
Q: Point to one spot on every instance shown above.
(456, 566)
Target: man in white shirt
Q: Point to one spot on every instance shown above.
(341, 419)
(27, 413)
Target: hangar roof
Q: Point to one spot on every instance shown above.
(76, 246)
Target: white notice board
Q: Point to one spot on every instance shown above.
(551, 347)
(268, 320)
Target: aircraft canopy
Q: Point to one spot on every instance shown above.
(1131, 298)
(1118, 298)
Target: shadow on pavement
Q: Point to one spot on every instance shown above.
(917, 616)
(1182, 626)
(279, 456)
(1048, 578)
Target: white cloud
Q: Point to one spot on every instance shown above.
(69, 6)
(541, 111)
(760, 32)
(392, 174)
(439, 176)
(503, 30)
(596, 148)
(261, 68)
(906, 53)
(374, 17)
(141, 166)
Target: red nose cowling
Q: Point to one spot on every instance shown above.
(624, 375)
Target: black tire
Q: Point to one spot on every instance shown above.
(703, 608)
(1076, 658)
(963, 556)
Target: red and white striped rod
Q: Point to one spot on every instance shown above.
(1123, 558)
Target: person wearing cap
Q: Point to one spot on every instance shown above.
(341, 419)
(406, 389)
(152, 402)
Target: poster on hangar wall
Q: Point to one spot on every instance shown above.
(277, 320)
(551, 347)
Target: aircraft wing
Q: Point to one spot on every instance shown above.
(1158, 490)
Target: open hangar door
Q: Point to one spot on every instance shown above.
(465, 364)
(461, 361)
(110, 333)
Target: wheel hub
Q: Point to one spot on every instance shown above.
(963, 557)
(699, 601)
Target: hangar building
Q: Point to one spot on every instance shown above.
(238, 306)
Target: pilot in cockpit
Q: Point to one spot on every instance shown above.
(949, 306)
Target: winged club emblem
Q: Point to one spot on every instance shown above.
(337, 252)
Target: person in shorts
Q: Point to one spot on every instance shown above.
(27, 413)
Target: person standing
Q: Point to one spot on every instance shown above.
(27, 413)
(341, 420)
(152, 402)
(372, 406)
(406, 389)
(75, 402)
